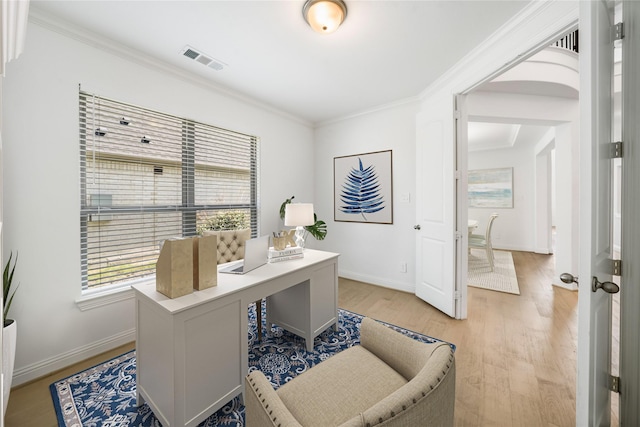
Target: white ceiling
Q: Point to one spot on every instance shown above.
(385, 51)
(493, 136)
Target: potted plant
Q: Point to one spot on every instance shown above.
(9, 330)
(318, 229)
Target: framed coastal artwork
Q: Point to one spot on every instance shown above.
(363, 188)
(490, 188)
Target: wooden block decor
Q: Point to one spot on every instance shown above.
(289, 237)
(279, 243)
(205, 261)
(174, 269)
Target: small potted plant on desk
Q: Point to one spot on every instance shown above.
(318, 229)
(9, 330)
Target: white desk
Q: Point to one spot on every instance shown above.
(192, 351)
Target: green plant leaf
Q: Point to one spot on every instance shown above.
(317, 230)
(283, 206)
(7, 283)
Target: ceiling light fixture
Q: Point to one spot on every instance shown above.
(324, 16)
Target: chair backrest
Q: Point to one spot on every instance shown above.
(487, 235)
(230, 243)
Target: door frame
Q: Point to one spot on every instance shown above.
(586, 383)
(630, 295)
(593, 362)
(538, 24)
(462, 152)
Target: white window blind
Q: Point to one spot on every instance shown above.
(148, 176)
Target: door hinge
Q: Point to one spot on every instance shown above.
(615, 267)
(618, 31)
(457, 174)
(457, 295)
(616, 150)
(614, 384)
(458, 235)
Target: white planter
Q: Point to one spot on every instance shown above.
(9, 334)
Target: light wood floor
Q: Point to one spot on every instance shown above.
(515, 357)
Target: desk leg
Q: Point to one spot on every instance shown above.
(259, 319)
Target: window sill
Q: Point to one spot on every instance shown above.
(106, 297)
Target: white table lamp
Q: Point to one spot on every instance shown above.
(299, 215)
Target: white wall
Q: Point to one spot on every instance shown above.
(371, 253)
(514, 229)
(545, 193)
(42, 190)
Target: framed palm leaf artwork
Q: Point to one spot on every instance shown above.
(363, 188)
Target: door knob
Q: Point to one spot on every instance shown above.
(569, 278)
(608, 287)
(417, 227)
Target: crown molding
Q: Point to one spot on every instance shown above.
(89, 38)
(383, 107)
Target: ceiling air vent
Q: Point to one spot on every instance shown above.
(200, 57)
(190, 53)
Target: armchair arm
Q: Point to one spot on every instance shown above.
(405, 355)
(263, 406)
(428, 399)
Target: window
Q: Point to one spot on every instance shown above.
(147, 176)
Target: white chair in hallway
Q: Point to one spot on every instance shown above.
(479, 241)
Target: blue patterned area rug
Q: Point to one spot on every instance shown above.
(105, 395)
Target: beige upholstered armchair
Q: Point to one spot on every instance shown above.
(388, 380)
(231, 248)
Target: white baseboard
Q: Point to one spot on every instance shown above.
(514, 248)
(399, 286)
(61, 361)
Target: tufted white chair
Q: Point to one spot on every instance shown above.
(231, 248)
(230, 243)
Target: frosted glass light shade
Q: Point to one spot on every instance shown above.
(324, 16)
(298, 214)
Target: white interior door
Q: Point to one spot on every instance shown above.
(435, 205)
(593, 397)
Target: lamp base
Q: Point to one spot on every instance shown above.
(300, 236)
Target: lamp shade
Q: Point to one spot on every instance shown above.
(324, 16)
(298, 214)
